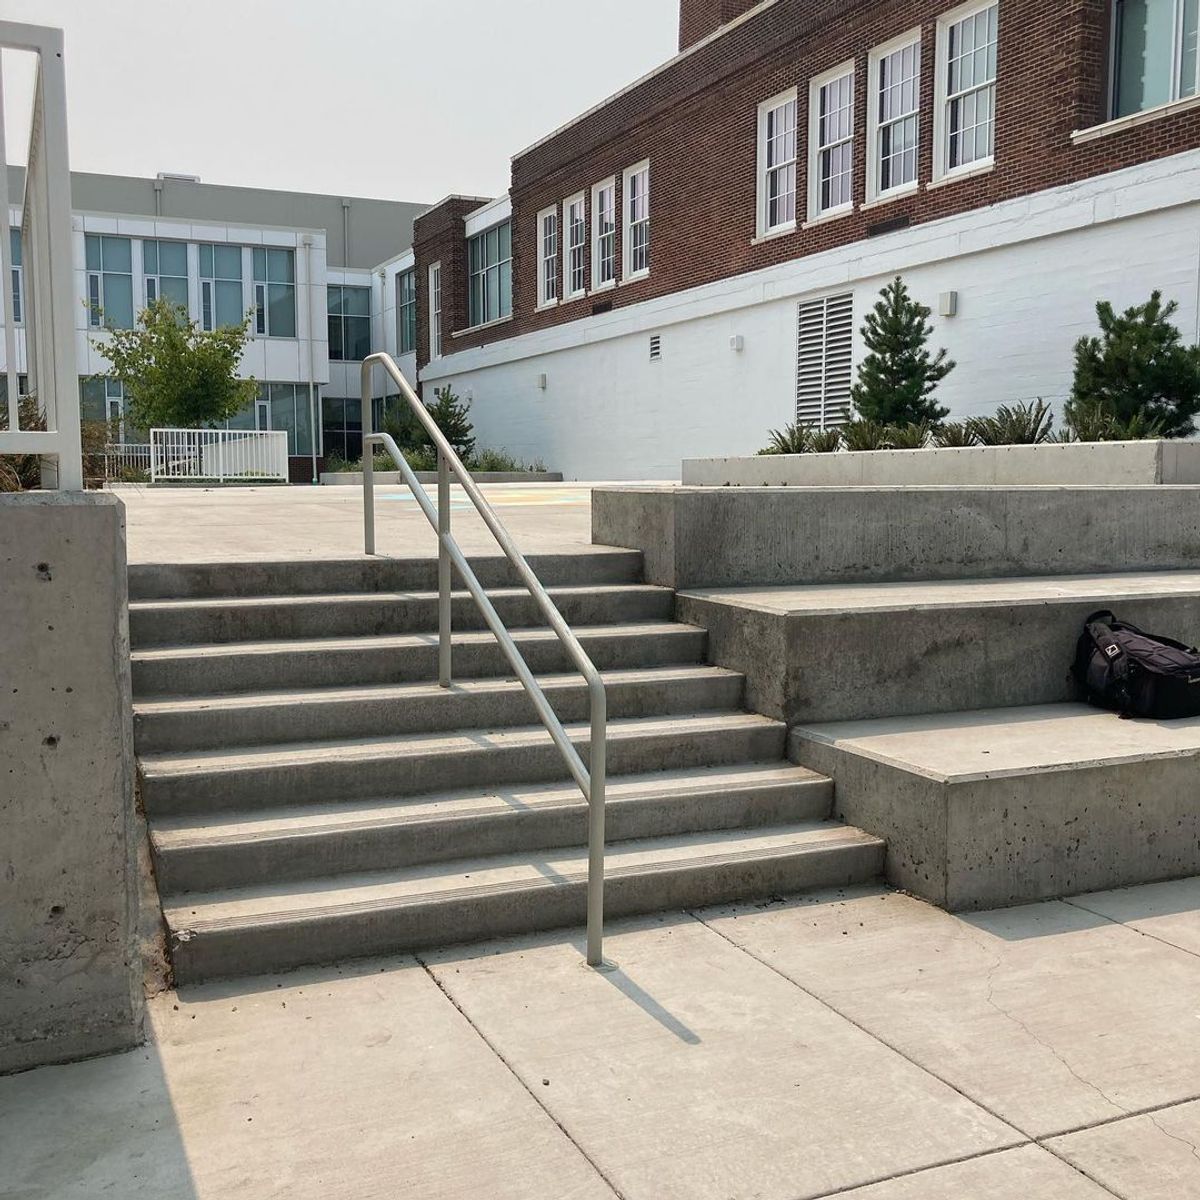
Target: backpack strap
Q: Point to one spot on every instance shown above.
(1102, 635)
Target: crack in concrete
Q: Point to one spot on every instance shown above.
(1175, 1137)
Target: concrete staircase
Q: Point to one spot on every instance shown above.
(313, 795)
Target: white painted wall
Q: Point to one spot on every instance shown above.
(1028, 273)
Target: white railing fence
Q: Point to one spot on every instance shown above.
(122, 458)
(47, 269)
(221, 454)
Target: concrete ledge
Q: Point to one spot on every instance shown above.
(850, 652)
(391, 478)
(1141, 462)
(716, 537)
(1005, 806)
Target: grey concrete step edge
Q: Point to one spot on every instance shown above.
(194, 672)
(396, 773)
(500, 704)
(149, 581)
(394, 614)
(258, 945)
(199, 861)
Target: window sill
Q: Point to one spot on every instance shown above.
(836, 214)
(457, 333)
(771, 234)
(636, 278)
(1133, 120)
(971, 172)
(603, 287)
(547, 305)
(909, 189)
(571, 299)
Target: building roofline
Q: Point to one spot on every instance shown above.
(717, 33)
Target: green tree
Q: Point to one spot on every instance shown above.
(176, 374)
(897, 379)
(450, 415)
(1138, 373)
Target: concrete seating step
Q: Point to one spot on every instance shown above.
(209, 722)
(1005, 806)
(333, 662)
(149, 581)
(847, 652)
(311, 772)
(224, 850)
(258, 618)
(276, 927)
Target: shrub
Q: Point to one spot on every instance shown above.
(865, 435)
(907, 437)
(22, 472)
(791, 439)
(1095, 423)
(825, 441)
(1025, 424)
(956, 434)
(1137, 368)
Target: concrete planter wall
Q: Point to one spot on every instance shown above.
(341, 478)
(1126, 463)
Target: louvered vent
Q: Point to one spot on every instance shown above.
(823, 361)
(655, 347)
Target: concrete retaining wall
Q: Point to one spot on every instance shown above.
(70, 976)
(341, 478)
(716, 537)
(1081, 463)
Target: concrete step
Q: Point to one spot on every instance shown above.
(849, 652)
(260, 618)
(226, 850)
(350, 662)
(150, 581)
(210, 722)
(1011, 805)
(273, 928)
(312, 772)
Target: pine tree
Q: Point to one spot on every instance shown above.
(449, 414)
(897, 379)
(1137, 373)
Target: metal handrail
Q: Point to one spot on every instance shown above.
(590, 777)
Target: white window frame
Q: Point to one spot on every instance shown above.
(598, 236)
(569, 249)
(628, 274)
(405, 307)
(545, 300)
(1177, 45)
(435, 311)
(876, 194)
(942, 100)
(18, 278)
(815, 212)
(763, 226)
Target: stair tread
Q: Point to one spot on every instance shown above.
(220, 829)
(416, 691)
(998, 742)
(402, 641)
(916, 595)
(312, 899)
(293, 600)
(350, 750)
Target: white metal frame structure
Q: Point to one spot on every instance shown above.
(589, 777)
(46, 242)
(221, 454)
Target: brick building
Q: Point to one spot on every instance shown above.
(688, 263)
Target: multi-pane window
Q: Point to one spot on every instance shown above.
(636, 201)
(575, 224)
(435, 311)
(968, 89)
(406, 311)
(832, 134)
(349, 322)
(1155, 59)
(109, 281)
(274, 292)
(604, 234)
(489, 264)
(14, 238)
(823, 361)
(895, 115)
(548, 256)
(288, 409)
(777, 163)
(221, 299)
(165, 268)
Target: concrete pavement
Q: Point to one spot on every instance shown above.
(855, 1044)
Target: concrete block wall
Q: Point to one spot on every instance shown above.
(70, 976)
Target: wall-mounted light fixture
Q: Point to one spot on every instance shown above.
(541, 381)
(737, 343)
(948, 304)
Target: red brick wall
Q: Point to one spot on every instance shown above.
(699, 18)
(696, 122)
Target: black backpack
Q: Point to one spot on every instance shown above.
(1139, 674)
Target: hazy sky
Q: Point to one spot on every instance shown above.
(407, 100)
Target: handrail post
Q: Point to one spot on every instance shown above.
(444, 612)
(596, 797)
(368, 464)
